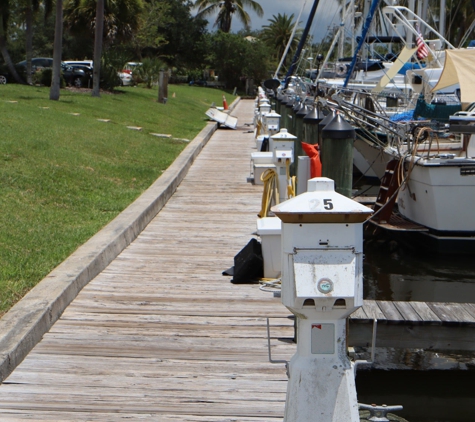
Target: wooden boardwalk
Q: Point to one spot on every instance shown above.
(162, 335)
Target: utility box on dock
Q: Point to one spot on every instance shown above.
(322, 283)
(260, 162)
(282, 148)
(322, 249)
(269, 230)
(272, 123)
(283, 145)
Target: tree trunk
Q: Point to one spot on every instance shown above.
(29, 43)
(96, 75)
(57, 51)
(6, 55)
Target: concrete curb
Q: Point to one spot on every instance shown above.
(24, 325)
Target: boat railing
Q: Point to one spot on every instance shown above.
(363, 117)
(414, 26)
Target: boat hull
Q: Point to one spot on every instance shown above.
(440, 195)
(370, 160)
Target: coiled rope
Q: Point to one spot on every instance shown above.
(271, 191)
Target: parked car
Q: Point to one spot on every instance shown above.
(199, 82)
(74, 75)
(88, 63)
(77, 75)
(5, 75)
(125, 78)
(37, 63)
(126, 74)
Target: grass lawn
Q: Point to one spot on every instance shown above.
(65, 173)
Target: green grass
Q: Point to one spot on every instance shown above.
(64, 176)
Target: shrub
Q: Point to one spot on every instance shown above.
(149, 71)
(109, 77)
(111, 65)
(44, 77)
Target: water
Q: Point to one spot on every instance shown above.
(405, 275)
(434, 396)
(394, 273)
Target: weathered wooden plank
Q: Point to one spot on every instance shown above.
(390, 311)
(451, 313)
(372, 310)
(172, 389)
(359, 314)
(402, 336)
(407, 312)
(470, 308)
(426, 313)
(212, 408)
(65, 416)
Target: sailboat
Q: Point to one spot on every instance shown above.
(400, 88)
(435, 195)
(433, 179)
(426, 167)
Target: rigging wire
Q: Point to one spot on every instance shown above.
(302, 42)
(454, 14)
(290, 41)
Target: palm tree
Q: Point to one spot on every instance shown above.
(29, 9)
(226, 9)
(121, 19)
(4, 17)
(57, 51)
(277, 34)
(99, 29)
(110, 21)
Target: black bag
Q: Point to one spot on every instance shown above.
(248, 264)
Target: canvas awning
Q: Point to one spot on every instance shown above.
(403, 57)
(459, 68)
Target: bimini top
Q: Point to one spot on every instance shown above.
(458, 69)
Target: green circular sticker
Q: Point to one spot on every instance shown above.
(325, 285)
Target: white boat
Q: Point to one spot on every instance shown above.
(436, 199)
(440, 193)
(397, 88)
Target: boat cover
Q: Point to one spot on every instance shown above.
(402, 59)
(458, 68)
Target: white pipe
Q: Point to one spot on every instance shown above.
(352, 26)
(442, 18)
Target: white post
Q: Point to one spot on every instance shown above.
(322, 283)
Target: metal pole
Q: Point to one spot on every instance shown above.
(301, 43)
(369, 19)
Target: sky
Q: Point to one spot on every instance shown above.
(325, 16)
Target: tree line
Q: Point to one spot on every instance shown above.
(171, 32)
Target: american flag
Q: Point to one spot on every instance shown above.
(422, 51)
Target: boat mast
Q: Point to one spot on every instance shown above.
(366, 27)
(442, 18)
(352, 26)
(301, 43)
